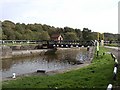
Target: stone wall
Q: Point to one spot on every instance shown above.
(6, 52)
(21, 51)
(27, 47)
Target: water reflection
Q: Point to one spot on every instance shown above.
(59, 60)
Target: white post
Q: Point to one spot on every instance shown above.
(14, 76)
(54, 45)
(97, 48)
(66, 45)
(115, 70)
(116, 61)
(71, 46)
(82, 46)
(115, 73)
(102, 42)
(109, 87)
(61, 45)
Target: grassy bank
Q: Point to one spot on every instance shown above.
(97, 75)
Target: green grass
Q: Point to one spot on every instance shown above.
(97, 75)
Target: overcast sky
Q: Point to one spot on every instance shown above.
(97, 15)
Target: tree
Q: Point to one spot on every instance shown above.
(71, 36)
(79, 34)
(19, 28)
(87, 34)
(45, 36)
(10, 31)
(68, 29)
(18, 36)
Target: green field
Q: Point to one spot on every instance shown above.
(97, 75)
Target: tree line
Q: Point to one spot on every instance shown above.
(18, 31)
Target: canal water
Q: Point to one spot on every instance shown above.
(50, 61)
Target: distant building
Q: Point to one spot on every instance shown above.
(57, 37)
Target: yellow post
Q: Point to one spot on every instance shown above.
(102, 41)
(103, 36)
(98, 36)
(98, 44)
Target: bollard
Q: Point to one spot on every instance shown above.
(14, 76)
(57, 45)
(66, 45)
(71, 46)
(82, 46)
(76, 45)
(54, 45)
(116, 61)
(113, 56)
(114, 73)
(109, 87)
(97, 48)
(61, 45)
